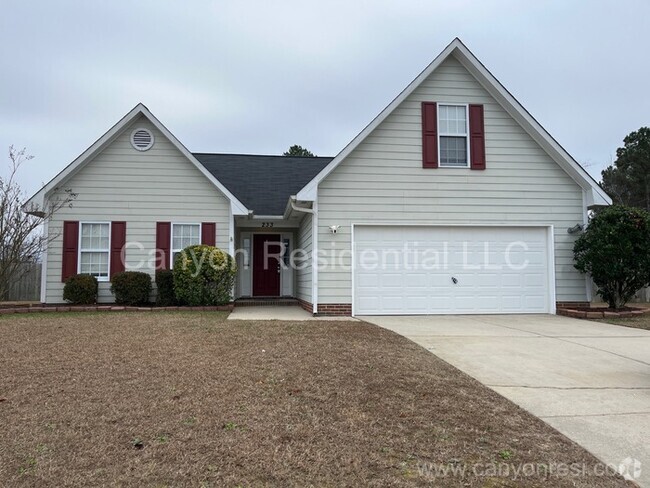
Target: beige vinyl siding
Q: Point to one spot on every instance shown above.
(304, 275)
(141, 188)
(382, 180)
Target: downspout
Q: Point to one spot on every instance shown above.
(585, 222)
(314, 248)
(232, 248)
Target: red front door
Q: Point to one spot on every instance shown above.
(266, 265)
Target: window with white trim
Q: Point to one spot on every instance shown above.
(184, 235)
(453, 136)
(94, 249)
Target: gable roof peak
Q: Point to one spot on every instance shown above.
(595, 195)
(37, 202)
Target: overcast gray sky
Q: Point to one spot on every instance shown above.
(256, 77)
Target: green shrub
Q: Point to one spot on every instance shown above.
(165, 286)
(80, 289)
(615, 251)
(131, 287)
(204, 275)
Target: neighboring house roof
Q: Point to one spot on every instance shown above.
(37, 202)
(595, 194)
(263, 183)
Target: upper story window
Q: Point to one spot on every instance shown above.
(94, 248)
(453, 133)
(184, 235)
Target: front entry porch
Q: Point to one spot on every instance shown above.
(262, 250)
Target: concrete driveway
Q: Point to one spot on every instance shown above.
(590, 381)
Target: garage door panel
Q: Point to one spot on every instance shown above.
(417, 280)
(511, 303)
(535, 302)
(497, 269)
(368, 303)
(487, 280)
(536, 280)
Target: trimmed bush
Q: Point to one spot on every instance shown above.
(80, 289)
(615, 251)
(165, 286)
(204, 275)
(131, 287)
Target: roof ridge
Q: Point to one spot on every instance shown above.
(261, 155)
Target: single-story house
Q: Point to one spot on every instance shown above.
(453, 200)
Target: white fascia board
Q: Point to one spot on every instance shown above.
(238, 208)
(36, 202)
(530, 124)
(501, 95)
(308, 192)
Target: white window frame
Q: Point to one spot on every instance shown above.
(108, 250)
(172, 250)
(440, 134)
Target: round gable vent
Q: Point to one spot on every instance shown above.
(141, 139)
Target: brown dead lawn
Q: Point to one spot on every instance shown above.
(189, 399)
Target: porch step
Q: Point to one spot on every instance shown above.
(265, 302)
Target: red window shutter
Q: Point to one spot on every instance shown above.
(476, 137)
(163, 245)
(429, 135)
(118, 240)
(208, 233)
(70, 249)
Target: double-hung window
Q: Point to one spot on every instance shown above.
(453, 133)
(94, 249)
(184, 235)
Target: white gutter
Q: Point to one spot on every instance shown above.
(295, 207)
(314, 247)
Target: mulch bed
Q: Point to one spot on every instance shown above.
(190, 399)
(636, 322)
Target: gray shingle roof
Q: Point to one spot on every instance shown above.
(262, 183)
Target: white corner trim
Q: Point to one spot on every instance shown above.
(552, 286)
(37, 200)
(501, 95)
(46, 233)
(353, 248)
(314, 257)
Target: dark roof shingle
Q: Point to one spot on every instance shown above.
(262, 183)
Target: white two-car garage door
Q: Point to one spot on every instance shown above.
(447, 270)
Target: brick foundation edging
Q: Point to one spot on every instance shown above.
(307, 306)
(559, 305)
(599, 314)
(342, 309)
(112, 308)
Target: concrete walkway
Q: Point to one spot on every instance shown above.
(590, 381)
(289, 313)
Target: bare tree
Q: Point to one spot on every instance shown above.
(21, 233)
